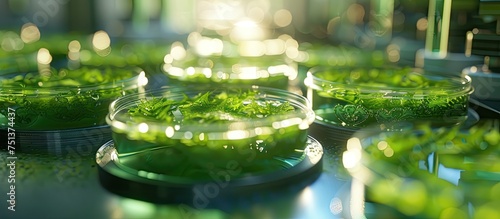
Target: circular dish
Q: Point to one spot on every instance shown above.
(63, 99)
(356, 97)
(203, 129)
(223, 184)
(426, 171)
(266, 70)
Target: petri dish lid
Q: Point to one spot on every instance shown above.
(177, 189)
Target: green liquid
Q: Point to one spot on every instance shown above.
(55, 102)
(192, 135)
(280, 81)
(431, 170)
(363, 110)
(63, 112)
(407, 97)
(238, 158)
(267, 71)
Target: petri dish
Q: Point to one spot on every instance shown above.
(44, 106)
(243, 137)
(355, 97)
(187, 66)
(423, 170)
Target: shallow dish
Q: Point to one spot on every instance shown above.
(426, 171)
(219, 190)
(264, 70)
(191, 132)
(63, 99)
(355, 97)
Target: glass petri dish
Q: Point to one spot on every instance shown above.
(355, 97)
(248, 133)
(423, 170)
(64, 99)
(224, 184)
(263, 70)
(50, 103)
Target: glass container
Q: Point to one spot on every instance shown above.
(354, 97)
(62, 99)
(423, 170)
(269, 71)
(237, 138)
(215, 61)
(261, 129)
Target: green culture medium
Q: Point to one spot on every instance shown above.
(355, 97)
(190, 132)
(423, 170)
(63, 98)
(269, 71)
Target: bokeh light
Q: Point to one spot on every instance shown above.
(282, 18)
(101, 43)
(30, 33)
(43, 56)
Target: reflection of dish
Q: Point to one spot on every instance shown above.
(153, 187)
(84, 141)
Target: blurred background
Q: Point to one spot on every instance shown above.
(317, 31)
(367, 24)
(398, 28)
